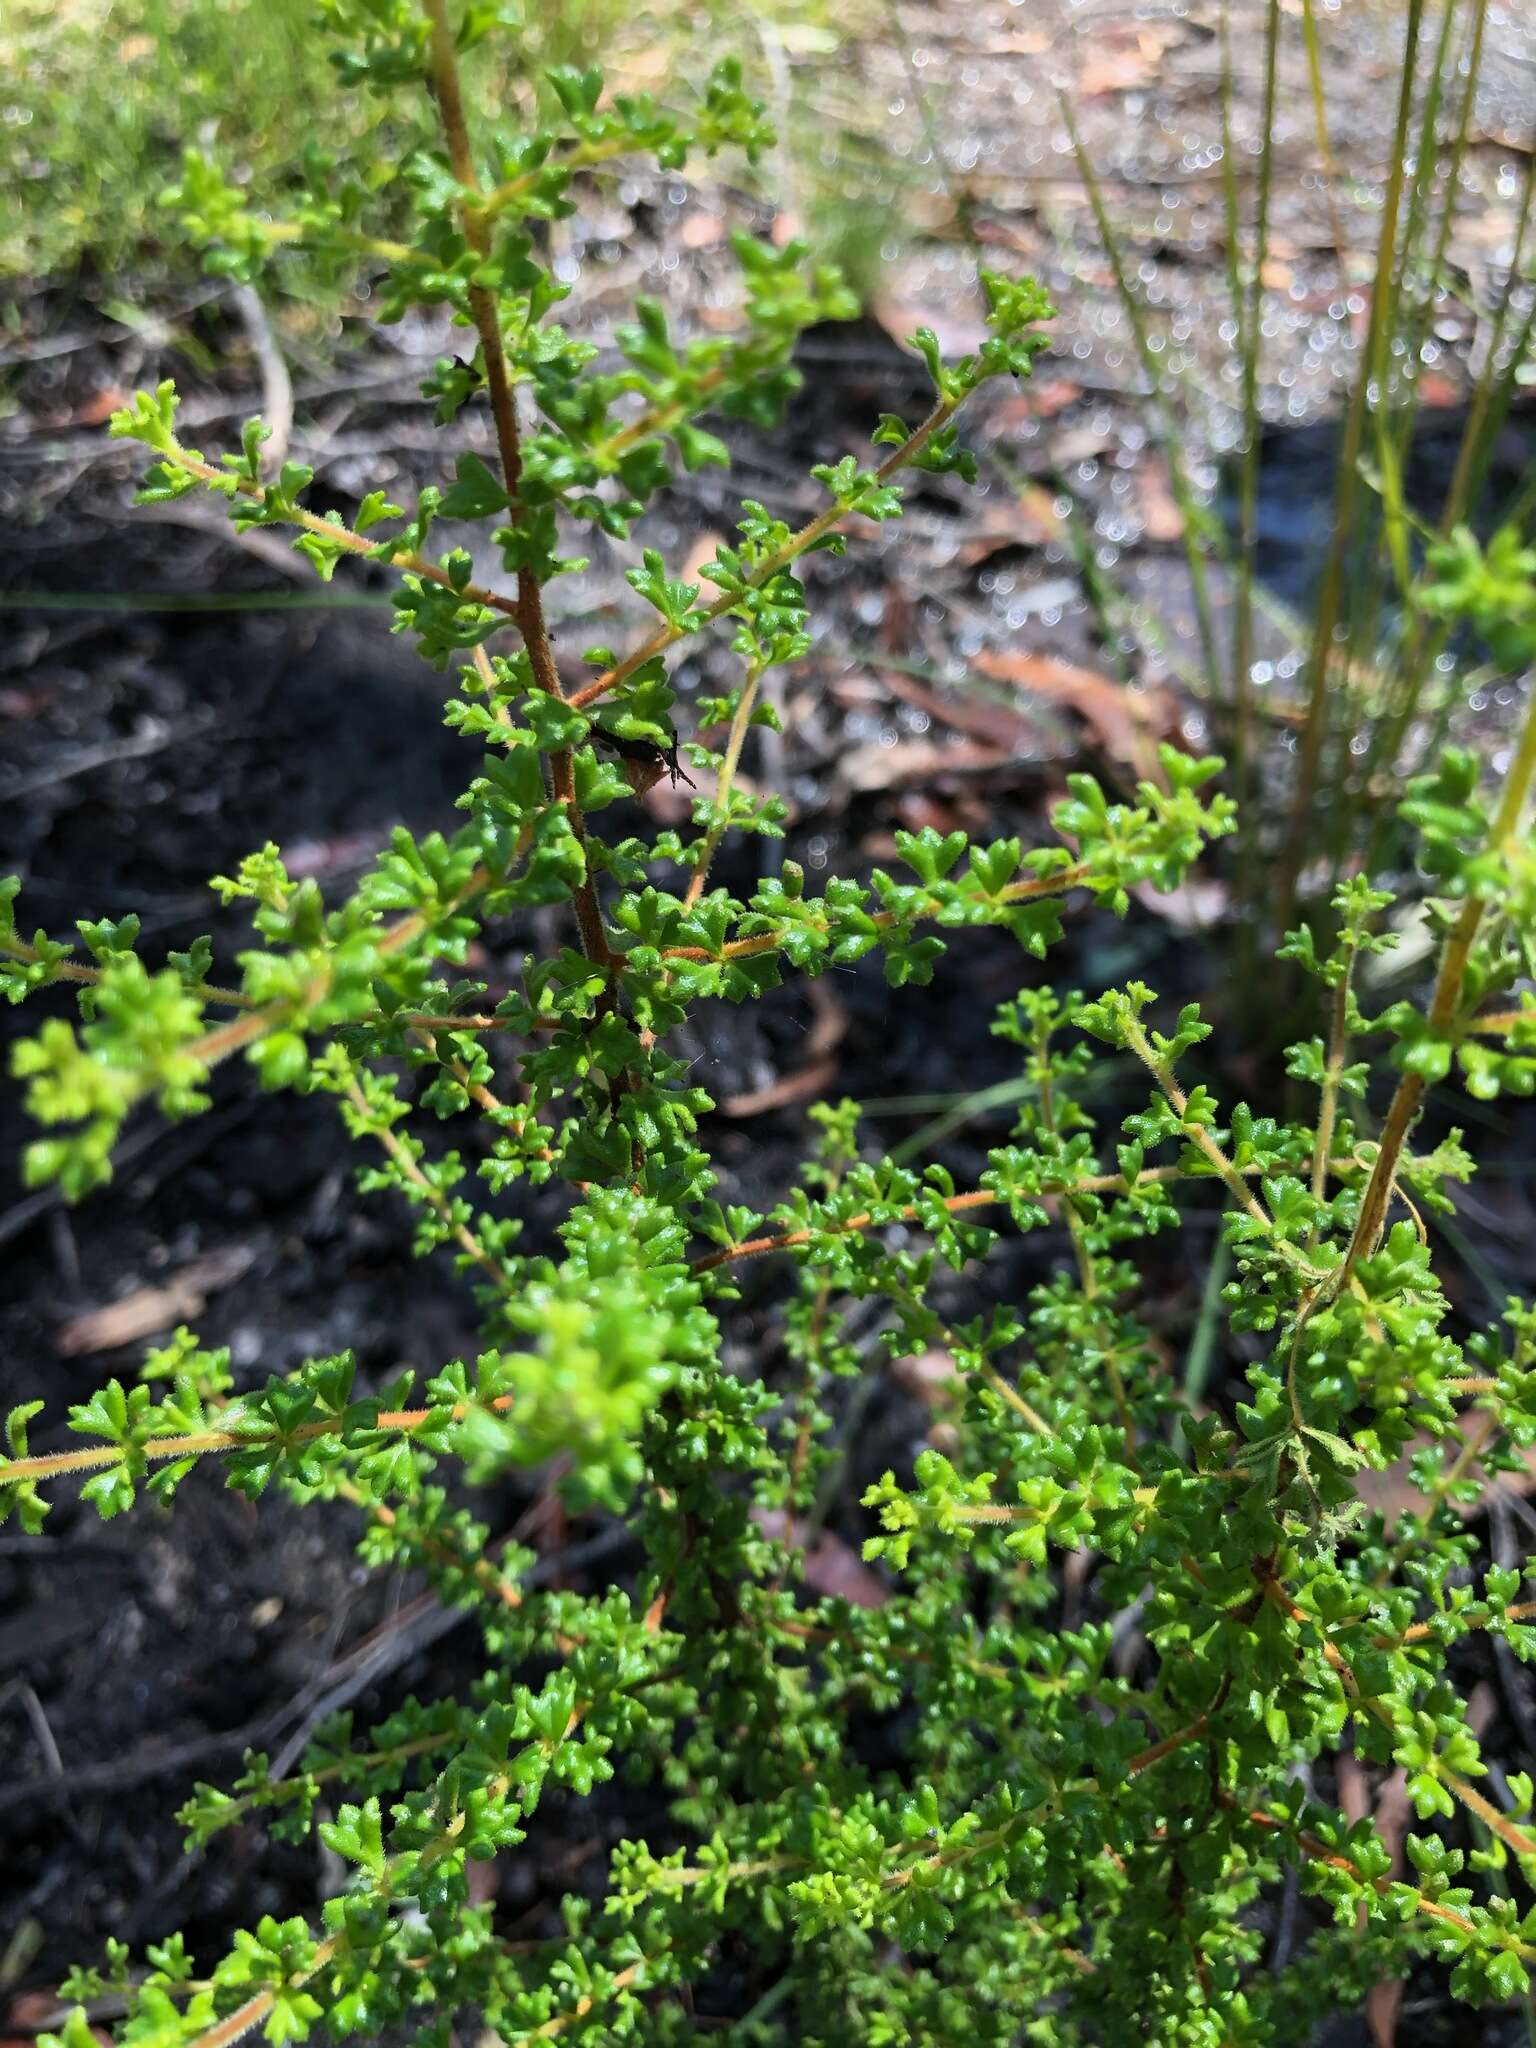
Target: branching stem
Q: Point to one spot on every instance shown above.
(333, 531)
(1328, 1101)
(199, 1443)
(957, 1205)
(814, 530)
(87, 977)
(1443, 1007)
(482, 305)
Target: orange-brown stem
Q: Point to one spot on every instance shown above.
(198, 1443)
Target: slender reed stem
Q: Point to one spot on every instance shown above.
(1346, 491)
(1252, 339)
(1178, 480)
(1324, 147)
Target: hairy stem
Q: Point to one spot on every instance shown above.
(1201, 1138)
(1328, 1103)
(333, 531)
(87, 977)
(199, 1443)
(440, 1203)
(957, 1205)
(883, 920)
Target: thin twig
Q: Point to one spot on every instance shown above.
(814, 530)
(1444, 1003)
(482, 305)
(276, 384)
(722, 804)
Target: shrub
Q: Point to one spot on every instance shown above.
(1055, 1841)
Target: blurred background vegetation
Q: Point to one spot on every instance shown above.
(100, 97)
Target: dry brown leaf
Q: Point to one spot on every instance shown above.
(855, 690)
(831, 1567)
(23, 703)
(100, 406)
(1491, 227)
(701, 231)
(1193, 905)
(1034, 402)
(1082, 442)
(1391, 1821)
(1124, 60)
(981, 719)
(1354, 1801)
(148, 1311)
(1482, 1708)
(1393, 1814)
(1382, 2004)
(1111, 71)
(1127, 724)
(672, 804)
(639, 67)
(1027, 43)
(1026, 521)
(958, 811)
(30, 2012)
(704, 549)
(1521, 140)
(33, 2011)
(308, 857)
(930, 1375)
(1161, 518)
(871, 768)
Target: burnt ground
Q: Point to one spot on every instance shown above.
(147, 741)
